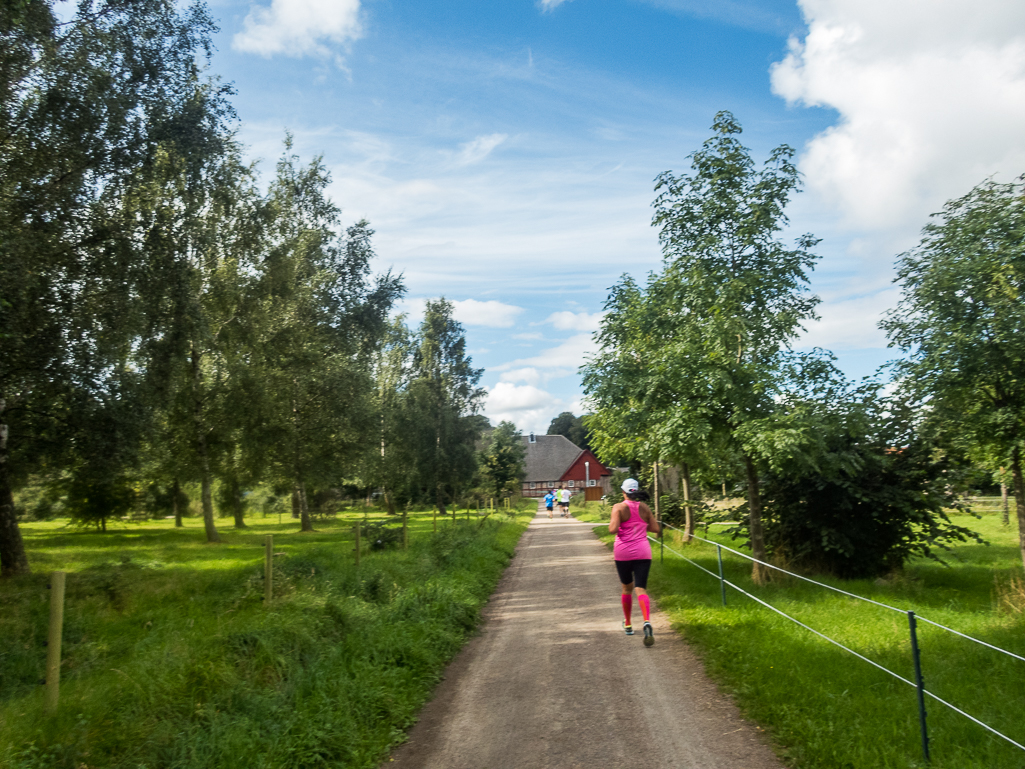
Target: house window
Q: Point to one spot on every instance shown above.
(533, 485)
(551, 484)
(570, 484)
(592, 483)
(533, 439)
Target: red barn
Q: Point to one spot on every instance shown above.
(555, 462)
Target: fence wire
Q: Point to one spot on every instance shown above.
(876, 665)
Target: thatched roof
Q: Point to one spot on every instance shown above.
(549, 457)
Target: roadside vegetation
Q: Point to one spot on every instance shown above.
(172, 660)
(823, 707)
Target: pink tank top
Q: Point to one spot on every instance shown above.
(632, 538)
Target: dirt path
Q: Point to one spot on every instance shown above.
(552, 681)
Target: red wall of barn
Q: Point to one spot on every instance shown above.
(576, 471)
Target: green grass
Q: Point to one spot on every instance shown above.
(170, 658)
(824, 708)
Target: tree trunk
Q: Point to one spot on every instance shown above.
(688, 512)
(296, 506)
(237, 508)
(1003, 500)
(440, 500)
(1019, 497)
(202, 451)
(12, 549)
(176, 493)
(304, 508)
(389, 501)
(759, 573)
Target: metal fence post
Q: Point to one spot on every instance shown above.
(919, 683)
(722, 581)
(53, 641)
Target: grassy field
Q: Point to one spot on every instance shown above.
(824, 708)
(171, 659)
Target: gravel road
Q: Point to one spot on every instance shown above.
(553, 682)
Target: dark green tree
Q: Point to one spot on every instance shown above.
(961, 322)
(501, 461)
(84, 106)
(440, 421)
(573, 428)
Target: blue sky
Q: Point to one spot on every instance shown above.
(504, 151)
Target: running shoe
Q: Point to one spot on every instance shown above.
(649, 634)
(629, 629)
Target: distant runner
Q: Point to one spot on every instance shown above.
(631, 522)
(549, 502)
(564, 496)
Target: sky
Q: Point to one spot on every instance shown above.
(504, 151)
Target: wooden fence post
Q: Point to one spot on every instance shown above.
(268, 569)
(53, 640)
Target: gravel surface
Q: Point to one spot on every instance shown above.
(552, 680)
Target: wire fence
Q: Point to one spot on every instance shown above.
(912, 617)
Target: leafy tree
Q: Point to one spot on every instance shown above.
(573, 428)
(440, 422)
(326, 318)
(83, 107)
(389, 463)
(698, 356)
(501, 460)
(961, 322)
(872, 491)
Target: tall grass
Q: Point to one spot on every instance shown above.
(171, 659)
(824, 708)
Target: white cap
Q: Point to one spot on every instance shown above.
(630, 485)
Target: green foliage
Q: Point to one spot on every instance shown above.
(960, 321)
(874, 496)
(87, 106)
(439, 423)
(501, 460)
(573, 428)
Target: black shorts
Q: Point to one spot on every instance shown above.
(549, 507)
(564, 504)
(634, 571)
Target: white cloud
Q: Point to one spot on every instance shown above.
(478, 149)
(526, 406)
(569, 356)
(469, 312)
(533, 376)
(931, 100)
(575, 321)
(299, 27)
(550, 5)
(491, 313)
(850, 323)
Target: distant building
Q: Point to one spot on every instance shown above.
(555, 462)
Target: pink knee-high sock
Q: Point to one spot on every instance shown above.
(645, 606)
(627, 604)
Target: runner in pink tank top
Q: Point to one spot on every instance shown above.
(631, 522)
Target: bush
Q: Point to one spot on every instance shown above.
(874, 496)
